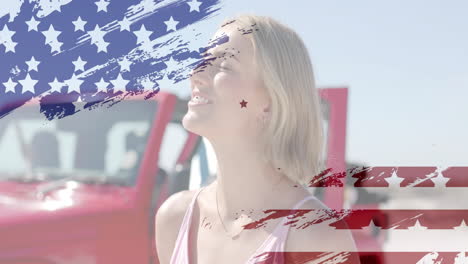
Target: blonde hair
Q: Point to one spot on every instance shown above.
(293, 137)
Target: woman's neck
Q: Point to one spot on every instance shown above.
(245, 183)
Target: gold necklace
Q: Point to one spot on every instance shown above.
(229, 234)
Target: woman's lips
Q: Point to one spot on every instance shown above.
(191, 103)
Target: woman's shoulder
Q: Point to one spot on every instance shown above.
(168, 221)
(314, 231)
(175, 206)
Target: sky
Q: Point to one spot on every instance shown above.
(405, 64)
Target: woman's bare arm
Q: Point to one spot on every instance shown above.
(168, 221)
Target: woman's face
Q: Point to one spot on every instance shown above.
(230, 81)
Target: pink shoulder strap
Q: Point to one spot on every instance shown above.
(275, 241)
(180, 255)
(281, 230)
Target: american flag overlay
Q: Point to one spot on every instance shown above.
(97, 52)
(424, 221)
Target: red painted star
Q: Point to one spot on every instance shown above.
(243, 103)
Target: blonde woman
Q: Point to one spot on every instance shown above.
(255, 100)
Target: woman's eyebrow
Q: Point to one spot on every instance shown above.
(219, 53)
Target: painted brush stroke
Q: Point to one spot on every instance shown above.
(99, 52)
(394, 177)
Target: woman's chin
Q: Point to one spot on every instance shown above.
(193, 124)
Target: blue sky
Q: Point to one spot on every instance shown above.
(406, 66)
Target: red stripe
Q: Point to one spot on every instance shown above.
(370, 257)
(375, 176)
(359, 218)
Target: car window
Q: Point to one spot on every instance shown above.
(174, 139)
(104, 142)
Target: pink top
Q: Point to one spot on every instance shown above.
(274, 243)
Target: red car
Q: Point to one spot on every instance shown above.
(84, 188)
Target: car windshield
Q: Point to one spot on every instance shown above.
(102, 145)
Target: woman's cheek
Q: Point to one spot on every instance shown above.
(226, 83)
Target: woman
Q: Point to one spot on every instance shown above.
(254, 99)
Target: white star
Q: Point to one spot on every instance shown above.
(10, 46)
(6, 34)
(102, 5)
(394, 180)
(97, 34)
(73, 84)
(125, 64)
(32, 64)
(417, 227)
(194, 5)
(171, 24)
(28, 84)
(56, 86)
(119, 83)
(32, 24)
(79, 64)
(102, 85)
(55, 46)
(10, 86)
(79, 24)
(51, 34)
(97, 38)
(462, 226)
(171, 65)
(6, 39)
(102, 46)
(142, 34)
(440, 181)
(125, 24)
(371, 227)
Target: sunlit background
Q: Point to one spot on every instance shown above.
(404, 63)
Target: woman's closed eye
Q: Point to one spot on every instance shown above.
(220, 62)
